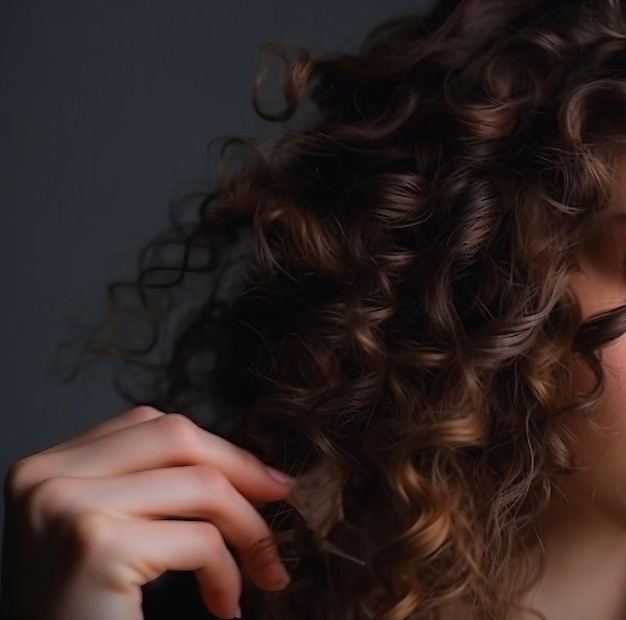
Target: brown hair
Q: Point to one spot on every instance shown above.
(402, 304)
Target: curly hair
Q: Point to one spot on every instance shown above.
(400, 304)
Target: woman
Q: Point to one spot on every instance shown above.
(432, 310)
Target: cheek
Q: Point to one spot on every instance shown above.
(602, 484)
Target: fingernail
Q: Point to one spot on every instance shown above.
(286, 576)
(283, 576)
(280, 476)
(237, 612)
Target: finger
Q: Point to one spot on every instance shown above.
(183, 492)
(130, 417)
(167, 441)
(121, 553)
(26, 472)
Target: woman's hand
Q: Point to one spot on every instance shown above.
(96, 518)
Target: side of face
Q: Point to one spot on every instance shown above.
(601, 286)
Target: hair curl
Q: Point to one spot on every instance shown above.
(402, 305)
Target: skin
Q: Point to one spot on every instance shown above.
(94, 508)
(584, 533)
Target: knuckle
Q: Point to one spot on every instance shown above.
(264, 550)
(211, 480)
(212, 538)
(48, 499)
(14, 479)
(249, 460)
(92, 532)
(22, 475)
(142, 413)
(95, 541)
(178, 428)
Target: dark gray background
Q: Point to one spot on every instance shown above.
(105, 107)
